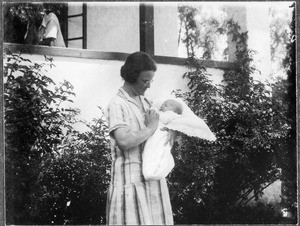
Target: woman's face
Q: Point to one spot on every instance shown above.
(143, 82)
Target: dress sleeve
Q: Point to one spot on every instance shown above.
(44, 21)
(117, 116)
(50, 25)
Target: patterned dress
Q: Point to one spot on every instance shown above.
(131, 200)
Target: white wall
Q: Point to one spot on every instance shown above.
(258, 24)
(113, 27)
(97, 81)
(166, 29)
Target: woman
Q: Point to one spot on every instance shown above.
(132, 200)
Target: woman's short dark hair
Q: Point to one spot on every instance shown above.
(135, 64)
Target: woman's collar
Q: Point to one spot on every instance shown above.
(126, 95)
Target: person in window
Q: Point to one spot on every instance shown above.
(132, 200)
(49, 32)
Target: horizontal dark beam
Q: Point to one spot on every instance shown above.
(75, 15)
(65, 52)
(95, 54)
(206, 63)
(72, 39)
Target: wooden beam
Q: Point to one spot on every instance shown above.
(75, 15)
(65, 23)
(84, 26)
(95, 54)
(147, 28)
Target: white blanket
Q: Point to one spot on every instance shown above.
(157, 158)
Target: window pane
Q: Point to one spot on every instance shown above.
(75, 27)
(113, 27)
(166, 29)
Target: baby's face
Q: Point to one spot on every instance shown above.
(168, 106)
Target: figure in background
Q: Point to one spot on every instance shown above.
(49, 32)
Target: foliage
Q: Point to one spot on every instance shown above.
(280, 32)
(259, 213)
(48, 163)
(289, 158)
(32, 125)
(71, 187)
(202, 30)
(57, 175)
(213, 180)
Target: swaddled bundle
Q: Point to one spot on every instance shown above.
(174, 114)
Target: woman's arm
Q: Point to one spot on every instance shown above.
(126, 138)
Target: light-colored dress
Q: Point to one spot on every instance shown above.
(132, 200)
(52, 30)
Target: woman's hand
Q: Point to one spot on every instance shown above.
(151, 119)
(171, 136)
(126, 138)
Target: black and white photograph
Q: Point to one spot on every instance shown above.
(149, 112)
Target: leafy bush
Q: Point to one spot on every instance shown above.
(71, 187)
(33, 126)
(212, 181)
(260, 213)
(48, 163)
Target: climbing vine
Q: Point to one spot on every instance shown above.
(217, 179)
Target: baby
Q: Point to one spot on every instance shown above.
(175, 115)
(171, 105)
(169, 110)
(157, 158)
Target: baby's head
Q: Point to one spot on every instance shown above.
(171, 105)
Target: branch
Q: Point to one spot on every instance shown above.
(260, 190)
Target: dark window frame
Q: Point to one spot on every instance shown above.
(146, 11)
(84, 26)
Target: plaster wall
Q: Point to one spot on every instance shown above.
(254, 19)
(97, 81)
(113, 27)
(258, 24)
(238, 14)
(166, 29)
